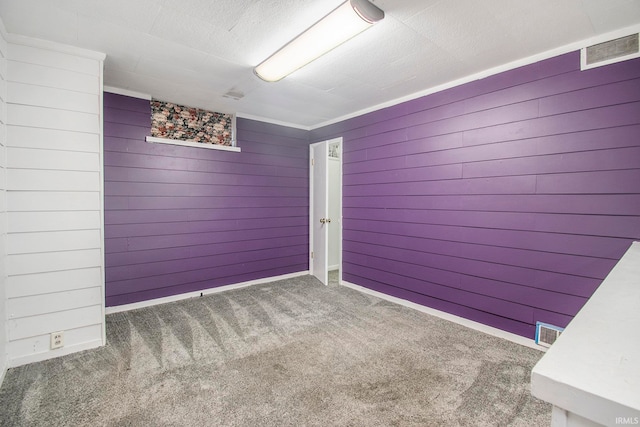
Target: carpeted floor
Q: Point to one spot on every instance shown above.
(288, 353)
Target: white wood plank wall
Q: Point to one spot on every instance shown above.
(3, 204)
(54, 239)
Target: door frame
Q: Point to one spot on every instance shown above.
(338, 221)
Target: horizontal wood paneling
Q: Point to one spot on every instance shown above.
(597, 118)
(191, 285)
(176, 215)
(123, 116)
(62, 201)
(59, 301)
(505, 200)
(585, 161)
(32, 326)
(48, 97)
(117, 255)
(34, 263)
(40, 344)
(189, 239)
(447, 149)
(51, 241)
(557, 85)
(456, 308)
(551, 242)
(54, 201)
(26, 222)
(499, 185)
(53, 180)
(203, 275)
(609, 182)
(180, 219)
(269, 188)
(53, 281)
(562, 263)
(50, 118)
(29, 158)
(591, 97)
(38, 56)
(225, 161)
(169, 202)
(593, 225)
(43, 75)
(53, 139)
(597, 204)
(188, 227)
(156, 268)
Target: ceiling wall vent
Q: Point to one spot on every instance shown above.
(547, 334)
(234, 94)
(609, 52)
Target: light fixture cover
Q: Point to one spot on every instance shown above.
(347, 20)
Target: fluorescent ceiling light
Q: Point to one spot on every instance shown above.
(347, 20)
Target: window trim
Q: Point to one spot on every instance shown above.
(156, 140)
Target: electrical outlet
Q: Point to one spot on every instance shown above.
(57, 339)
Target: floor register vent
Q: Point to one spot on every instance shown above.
(620, 49)
(547, 334)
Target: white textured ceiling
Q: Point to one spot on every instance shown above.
(194, 51)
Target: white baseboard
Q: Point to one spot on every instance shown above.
(3, 372)
(450, 317)
(39, 357)
(333, 267)
(187, 295)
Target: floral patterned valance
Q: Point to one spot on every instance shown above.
(173, 121)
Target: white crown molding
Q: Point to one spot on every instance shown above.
(272, 121)
(58, 47)
(127, 92)
(477, 76)
(490, 72)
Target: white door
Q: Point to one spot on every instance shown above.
(318, 211)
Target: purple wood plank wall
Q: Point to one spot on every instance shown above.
(181, 219)
(506, 200)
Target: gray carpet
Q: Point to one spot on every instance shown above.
(288, 353)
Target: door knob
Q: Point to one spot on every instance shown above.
(325, 220)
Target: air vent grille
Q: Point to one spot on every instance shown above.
(611, 51)
(234, 94)
(547, 334)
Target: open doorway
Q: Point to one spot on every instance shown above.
(325, 211)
